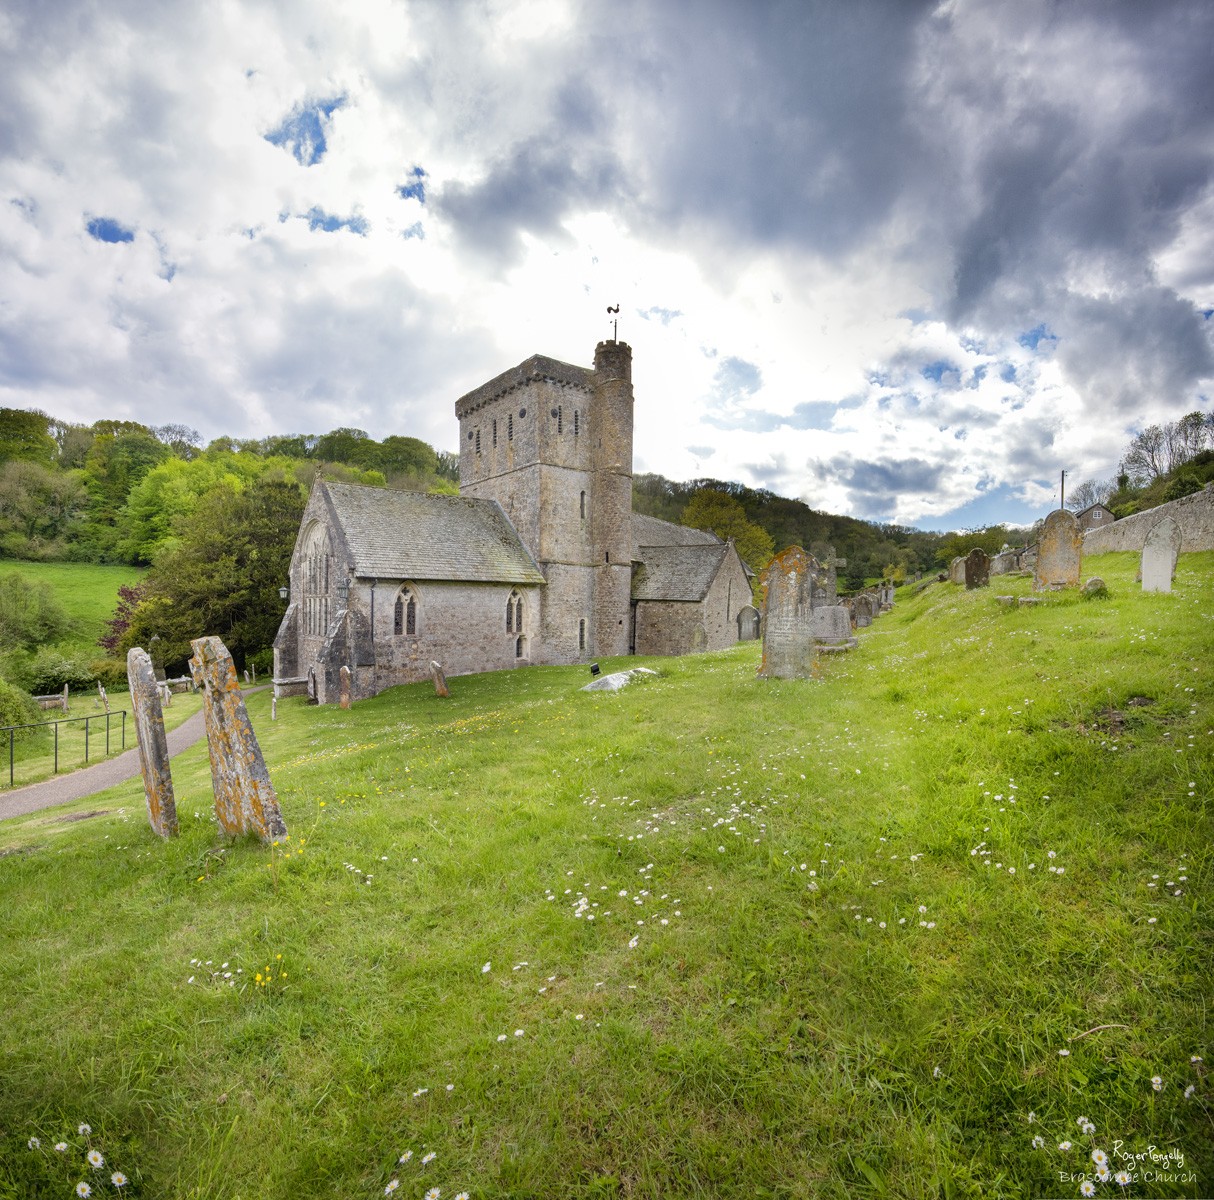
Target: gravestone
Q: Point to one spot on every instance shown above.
(311, 685)
(153, 745)
(748, 623)
(1159, 554)
(831, 624)
(245, 800)
(1059, 553)
(788, 638)
(157, 658)
(440, 679)
(865, 610)
(977, 569)
(956, 570)
(343, 677)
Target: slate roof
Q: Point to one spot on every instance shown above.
(412, 535)
(677, 572)
(650, 531)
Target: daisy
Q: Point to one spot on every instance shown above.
(501, 1037)
(1087, 1188)
(1038, 1142)
(433, 1194)
(95, 1160)
(518, 1033)
(1064, 1145)
(1102, 1175)
(84, 1130)
(1157, 1083)
(428, 1158)
(461, 1196)
(61, 1147)
(408, 1154)
(33, 1143)
(118, 1179)
(1188, 1092)
(1122, 1178)
(393, 1184)
(1099, 1157)
(83, 1189)
(1063, 1053)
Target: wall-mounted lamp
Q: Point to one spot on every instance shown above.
(283, 592)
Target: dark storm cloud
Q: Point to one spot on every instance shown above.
(874, 488)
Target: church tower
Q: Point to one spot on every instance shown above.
(552, 444)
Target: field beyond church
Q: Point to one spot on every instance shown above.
(935, 923)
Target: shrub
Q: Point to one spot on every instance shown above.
(29, 613)
(16, 708)
(1185, 483)
(109, 672)
(52, 669)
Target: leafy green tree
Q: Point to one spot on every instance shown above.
(39, 509)
(407, 456)
(1183, 483)
(29, 613)
(223, 576)
(992, 539)
(25, 435)
(123, 452)
(17, 708)
(346, 445)
(719, 513)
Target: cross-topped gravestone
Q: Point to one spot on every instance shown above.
(245, 800)
(153, 745)
(1159, 554)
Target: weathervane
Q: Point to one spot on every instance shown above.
(615, 325)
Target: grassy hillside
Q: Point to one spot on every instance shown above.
(870, 934)
(88, 592)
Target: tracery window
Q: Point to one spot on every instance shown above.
(404, 615)
(514, 613)
(317, 564)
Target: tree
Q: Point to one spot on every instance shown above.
(1146, 459)
(25, 435)
(346, 445)
(719, 513)
(29, 613)
(130, 596)
(39, 508)
(407, 456)
(224, 575)
(1089, 492)
(181, 439)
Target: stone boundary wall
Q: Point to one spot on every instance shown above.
(1194, 514)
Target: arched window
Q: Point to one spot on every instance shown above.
(317, 560)
(404, 615)
(514, 613)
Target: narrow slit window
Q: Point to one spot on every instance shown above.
(582, 506)
(518, 648)
(576, 422)
(495, 432)
(478, 441)
(581, 634)
(510, 428)
(559, 417)
(510, 615)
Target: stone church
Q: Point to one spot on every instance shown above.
(539, 559)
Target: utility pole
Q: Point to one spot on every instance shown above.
(1062, 491)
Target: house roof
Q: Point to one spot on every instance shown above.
(677, 572)
(1090, 507)
(412, 535)
(650, 531)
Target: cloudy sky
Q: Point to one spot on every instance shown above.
(906, 261)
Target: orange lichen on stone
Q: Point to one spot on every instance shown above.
(153, 745)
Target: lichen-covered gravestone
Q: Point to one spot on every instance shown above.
(1059, 552)
(831, 624)
(344, 686)
(153, 745)
(1159, 554)
(788, 636)
(245, 800)
(440, 679)
(977, 569)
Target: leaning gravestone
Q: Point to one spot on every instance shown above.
(344, 683)
(1059, 552)
(977, 569)
(245, 800)
(1159, 554)
(440, 679)
(153, 745)
(788, 636)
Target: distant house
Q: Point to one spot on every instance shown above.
(1093, 517)
(540, 558)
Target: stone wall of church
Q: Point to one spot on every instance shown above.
(685, 627)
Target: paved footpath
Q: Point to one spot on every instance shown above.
(60, 789)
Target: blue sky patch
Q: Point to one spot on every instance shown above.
(1036, 336)
(415, 231)
(106, 229)
(416, 189)
(937, 370)
(303, 132)
(317, 218)
(665, 315)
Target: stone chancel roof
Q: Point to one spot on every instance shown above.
(651, 531)
(412, 535)
(677, 572)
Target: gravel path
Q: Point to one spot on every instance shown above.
(60, 789)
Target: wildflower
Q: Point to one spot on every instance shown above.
(1099, 1158)
(433, 1194)
(501, 1037)
(118, 1179)
(83, 1189)
(61, 1147)
(428, 1158)
(579, 1017)
(1063, 1053)
(632, 943)
(95, 1160)
(1032, 1117)
(936, 1072)
(1064, 1145)
(393, 1184)
(1087, 1188)
(34, 1143)
(450, 1087)
(1195, 1059)
(1038, 1142)
(461, 1196)
(1188, 1092)
(486, 968)
(1157, 1083)
(84, 1130)
(1122, 1177)
(923, 908)
(408, 1154)
(1102, 1174)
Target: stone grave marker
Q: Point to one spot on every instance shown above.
(343, 677)
(956, 570)
(245, 800)
(1059, 553)
(831, 625)
(977, 569)
(1159, 554)
(788, 637)
(440, 679)
(153, 745)
(748, 623)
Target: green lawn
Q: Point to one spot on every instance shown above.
(868, 934)
(87, 591)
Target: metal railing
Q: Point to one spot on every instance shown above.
(11, 730)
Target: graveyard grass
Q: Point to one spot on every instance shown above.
(811, 970)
